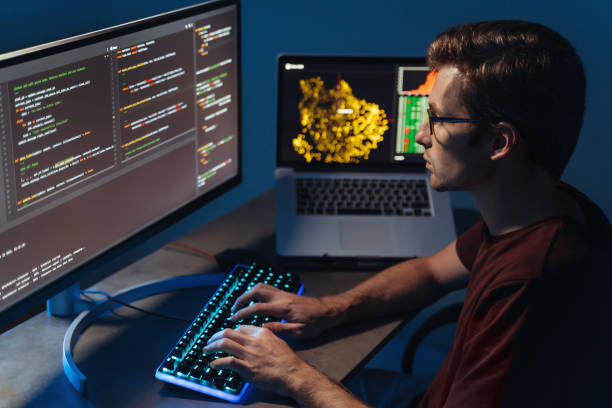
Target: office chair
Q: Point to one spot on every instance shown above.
(446, 315)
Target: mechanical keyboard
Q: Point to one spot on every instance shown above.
(188, 366)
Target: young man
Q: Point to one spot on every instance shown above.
(505, 114)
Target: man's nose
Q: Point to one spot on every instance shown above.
(423, 136)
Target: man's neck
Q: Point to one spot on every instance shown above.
(514, 199)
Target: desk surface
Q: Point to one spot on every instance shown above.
(119, 352)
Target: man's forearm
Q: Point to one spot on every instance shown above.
(315, 390)
(402, 287)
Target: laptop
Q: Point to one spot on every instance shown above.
(351, 185)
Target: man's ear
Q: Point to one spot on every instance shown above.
(505, 139)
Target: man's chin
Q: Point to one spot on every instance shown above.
(439, 185)
(435, 183)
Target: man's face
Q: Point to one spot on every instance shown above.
(454, 160)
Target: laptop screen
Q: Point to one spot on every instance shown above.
(351, 111)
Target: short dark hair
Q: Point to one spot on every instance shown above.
(523, 73)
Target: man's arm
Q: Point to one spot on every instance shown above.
(410, 285)
(268, 362)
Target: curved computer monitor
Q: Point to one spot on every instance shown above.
(108, 139)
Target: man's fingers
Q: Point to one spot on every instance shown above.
(248, 329)
(231, 363)
(290, 330)
(263, 309)
(227, 345)
(259, 292)
(237, 335)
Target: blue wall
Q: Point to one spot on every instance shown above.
(351, 27)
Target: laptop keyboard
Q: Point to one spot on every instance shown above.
(353, 196)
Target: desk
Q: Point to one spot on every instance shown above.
(119, 352)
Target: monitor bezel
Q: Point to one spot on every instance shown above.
(416, 163)
(140, 243)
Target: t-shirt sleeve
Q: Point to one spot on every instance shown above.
(468, 244)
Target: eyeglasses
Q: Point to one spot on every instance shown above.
(431, 118)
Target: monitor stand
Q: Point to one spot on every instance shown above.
(68, 302)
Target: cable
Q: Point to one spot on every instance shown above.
(92, 300)
(109, 297)
(191, 248)
(99, 292)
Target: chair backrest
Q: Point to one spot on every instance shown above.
(447, 315)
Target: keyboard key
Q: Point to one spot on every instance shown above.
(169, 364)
(196, 371)
(183, 369)
(358, 211)
(233, 382)
(420, 205)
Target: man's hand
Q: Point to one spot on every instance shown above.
(259, 357)
(305, 316)
(266, 361)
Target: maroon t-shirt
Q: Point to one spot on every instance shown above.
(534, 302)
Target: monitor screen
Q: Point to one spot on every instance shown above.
(351, 110)
(112, 136)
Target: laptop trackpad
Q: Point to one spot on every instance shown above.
(365, 235)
